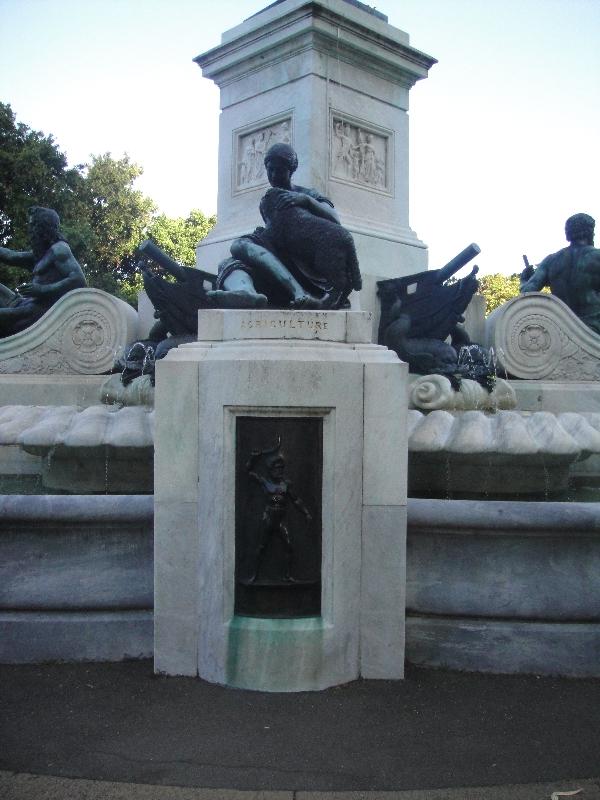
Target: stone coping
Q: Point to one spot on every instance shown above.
(503, 518)
(39, 429)
(472, 434)
(84, 508)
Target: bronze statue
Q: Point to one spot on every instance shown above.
(573, 273)
(279, 493)
(175, 303)
(323, 247)
(419, 312)
(302, 258)
(55, 272)
(268, 266)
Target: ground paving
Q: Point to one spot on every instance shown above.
(117, 731)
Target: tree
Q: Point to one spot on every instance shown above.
(33, 171)
(178, 236)
(497, 289)
(117, 218)
(103, 215)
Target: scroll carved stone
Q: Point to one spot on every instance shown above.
(536, 336)
(434, 392)
(81, 334)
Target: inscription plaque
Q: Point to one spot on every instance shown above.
(278, 528)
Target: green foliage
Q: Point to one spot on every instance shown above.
(179, 236)
(33, 171)
(104, 216)
(497, 289)
(113, 220)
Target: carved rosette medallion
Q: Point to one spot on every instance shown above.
(534, 338)
(86, 339)
(360, 153)
(250, 145)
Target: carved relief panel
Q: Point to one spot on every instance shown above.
(278, 526)
(361, 153)
(250, 145)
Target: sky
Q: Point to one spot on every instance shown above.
(505, 131)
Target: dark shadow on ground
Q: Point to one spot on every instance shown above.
(435, 729)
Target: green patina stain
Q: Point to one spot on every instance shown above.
(255, 645)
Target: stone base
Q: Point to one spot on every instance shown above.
(504, 586)
(32, 637)
(75, 578)
(294, 366)
(504, 646)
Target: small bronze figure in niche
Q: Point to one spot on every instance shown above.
(278, 548)
(279, 493)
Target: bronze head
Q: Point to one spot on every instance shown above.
(44, 229)
(285, 153)
(580, 227)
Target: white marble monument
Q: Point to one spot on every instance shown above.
(331, 78)
(292, 367)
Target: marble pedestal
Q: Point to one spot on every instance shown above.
(332, 79)
(295, 365)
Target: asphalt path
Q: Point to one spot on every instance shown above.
(434, 730)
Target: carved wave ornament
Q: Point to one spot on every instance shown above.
(568, 436)
(435, 392)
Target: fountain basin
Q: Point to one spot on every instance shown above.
(491, 586)
(508, 453)
(108, 448)
(504, 586)
(75, 578)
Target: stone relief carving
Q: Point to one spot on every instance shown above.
(76, 347)
(433, 392)
(251, 148)
(536, 336)
(88, 335)
(42, 360)
(359, 155)
(87, 338)
(81, 334)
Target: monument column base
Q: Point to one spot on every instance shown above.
(280, 502)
